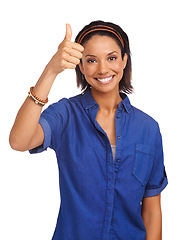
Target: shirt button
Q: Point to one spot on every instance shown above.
(118, 160)
(107, 211)
(118, 137)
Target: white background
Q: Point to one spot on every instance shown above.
(30, 34)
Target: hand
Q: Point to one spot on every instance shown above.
(68, 54)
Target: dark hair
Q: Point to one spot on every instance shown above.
(125, 83)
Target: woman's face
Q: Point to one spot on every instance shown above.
(102, 63)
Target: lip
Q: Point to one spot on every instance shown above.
(105, 80)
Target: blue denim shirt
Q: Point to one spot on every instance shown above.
(101, 199)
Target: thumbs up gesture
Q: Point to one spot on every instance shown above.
(68, 34)
(68, 54)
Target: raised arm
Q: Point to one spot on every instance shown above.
(26, 132)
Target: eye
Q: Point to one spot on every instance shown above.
(112, 58)
(91, 60)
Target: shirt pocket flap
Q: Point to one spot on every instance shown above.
(143, 162)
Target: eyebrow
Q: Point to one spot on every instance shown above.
(89, 55)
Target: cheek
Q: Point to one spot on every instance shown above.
(118, 67)
(89, 69)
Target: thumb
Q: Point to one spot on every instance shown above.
(68, 34)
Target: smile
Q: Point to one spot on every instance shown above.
(104, 80)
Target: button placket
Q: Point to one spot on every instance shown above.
(118, 123)
(112, 168)
(109, 192)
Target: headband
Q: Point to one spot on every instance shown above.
(100, 28)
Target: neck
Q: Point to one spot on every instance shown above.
(107, 102)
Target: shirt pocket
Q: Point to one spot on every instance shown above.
(143, 163)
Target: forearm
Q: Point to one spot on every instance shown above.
(153, 225)
(152, 217)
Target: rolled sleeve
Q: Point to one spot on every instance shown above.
(156, 191)
(47, 137)
(158, 178)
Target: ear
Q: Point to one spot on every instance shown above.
(81, 67)
(125, 60)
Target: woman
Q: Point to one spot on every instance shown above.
(109, 153)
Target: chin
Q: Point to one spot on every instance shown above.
(105, 89)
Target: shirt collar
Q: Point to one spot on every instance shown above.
(89, 102)
(126, 102)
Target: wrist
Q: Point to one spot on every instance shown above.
(53, 67)
(49, 72)
(45, 82)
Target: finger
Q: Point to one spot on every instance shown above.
(74, 53)
(77, 46)
(71, 66)
(67, 40)
(74, 45)
(68, 34)
(71, 59)
(68, 65)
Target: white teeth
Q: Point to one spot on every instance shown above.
(104, 79)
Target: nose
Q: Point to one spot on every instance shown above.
(102, 67)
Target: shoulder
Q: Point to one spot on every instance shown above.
(66, 103)
(143, 118)
(136, 115)
(70, 101)
(62, 112)
(141, 114)
(63, 108)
